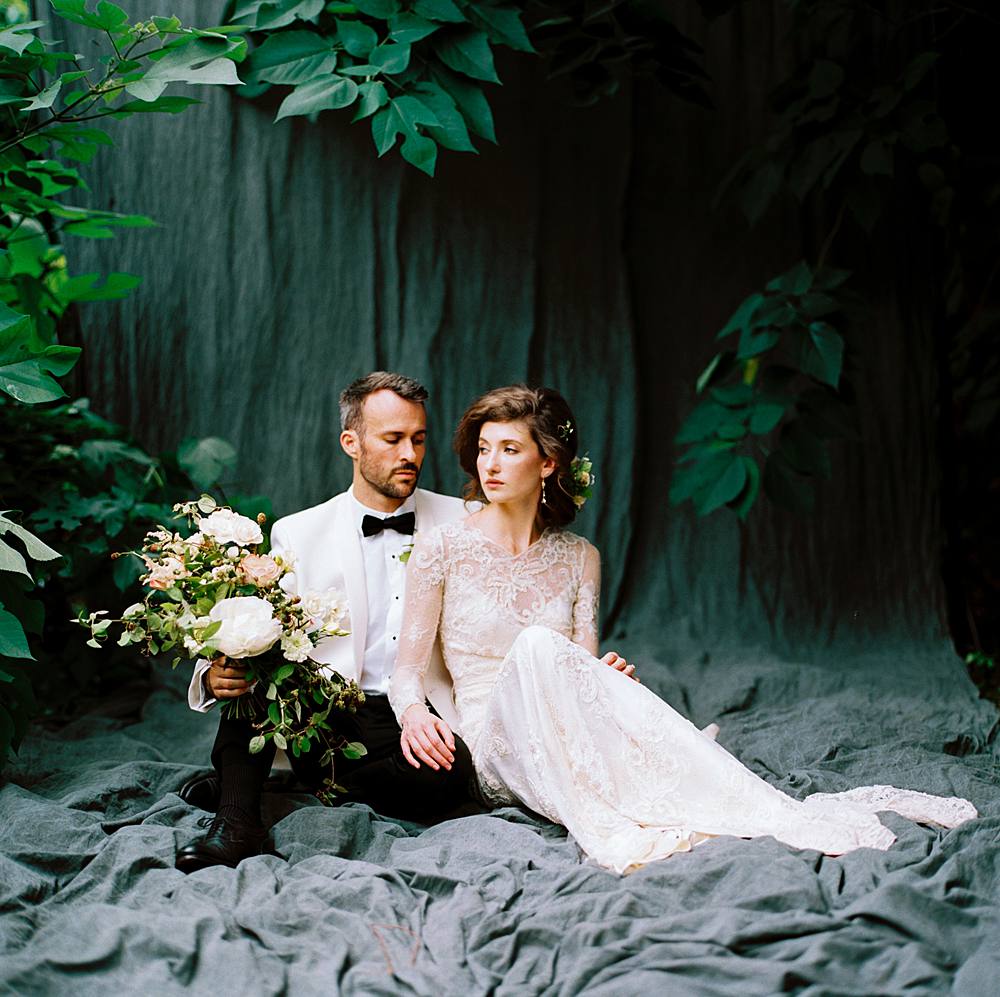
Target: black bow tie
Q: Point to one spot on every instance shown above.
(402, 523)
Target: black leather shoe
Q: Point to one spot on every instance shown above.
(228, 842)
(202, 791)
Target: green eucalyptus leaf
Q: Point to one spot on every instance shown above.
(353, 750)
(257, 744)
(279, 741)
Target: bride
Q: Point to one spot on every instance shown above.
(514, 599)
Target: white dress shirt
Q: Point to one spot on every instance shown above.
(385, 579)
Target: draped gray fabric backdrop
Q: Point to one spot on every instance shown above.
(582, 253)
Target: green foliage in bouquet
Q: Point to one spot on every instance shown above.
(213, 592)
(769, 404)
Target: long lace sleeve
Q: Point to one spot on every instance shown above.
(424, 593)
(588, 601)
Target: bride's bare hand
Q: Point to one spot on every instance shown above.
(619, 664)
(427, 738)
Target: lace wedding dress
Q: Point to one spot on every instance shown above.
(552, 727)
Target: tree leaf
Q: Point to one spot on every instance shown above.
(764, 416)
(744, 501)
(420, 151)
(200, 60)
(206, 460)
(390, 57)
(45, 99)
(372, 96)
(503, 24)
(825, 360)
(13, 642)
(439, 10)
(382, 10)
(162, 105)
(257, 744)
(467, 51)
(470, 100)
(354, 749)
(401, 117)
(804, 450)
(291, 57)
(319, 95)
(727, 487)
(36, 549)
(16, 37)
(279, 741)
(357, 37)
(702, 422)
(408, 28)
(743, 316)
(107, 16)
(796, 281)
(452, 132)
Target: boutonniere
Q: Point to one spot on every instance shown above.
(408, 549)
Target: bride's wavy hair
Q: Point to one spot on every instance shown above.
(553, 428)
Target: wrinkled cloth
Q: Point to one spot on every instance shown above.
(504, 903)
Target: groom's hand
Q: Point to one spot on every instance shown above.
(226, 679)
(619, 664)
(426, 737)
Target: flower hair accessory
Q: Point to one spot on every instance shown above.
(581, 480)
(565, 431)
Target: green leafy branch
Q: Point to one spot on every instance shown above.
(771, 403)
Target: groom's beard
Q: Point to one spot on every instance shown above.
(389, 483)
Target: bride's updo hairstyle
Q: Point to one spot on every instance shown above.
(552, 427)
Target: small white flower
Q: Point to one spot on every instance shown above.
(296, 646)
(191, 644)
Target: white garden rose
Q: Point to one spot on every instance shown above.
(326, 609)
(248, 626)
(227, 527)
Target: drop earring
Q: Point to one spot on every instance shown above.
(543, 491)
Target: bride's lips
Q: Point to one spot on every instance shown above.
(492, 483)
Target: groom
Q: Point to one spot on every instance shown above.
(357, 543)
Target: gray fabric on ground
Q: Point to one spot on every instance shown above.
(502, 903)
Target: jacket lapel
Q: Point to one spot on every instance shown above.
(347, 545)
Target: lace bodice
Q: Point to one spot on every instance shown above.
(478, 597)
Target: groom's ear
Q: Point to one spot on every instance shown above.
(350, 444)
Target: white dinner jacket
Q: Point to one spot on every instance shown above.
(326, 549)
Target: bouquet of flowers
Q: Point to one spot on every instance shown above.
(212, 593)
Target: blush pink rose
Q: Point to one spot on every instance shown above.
(260, 569)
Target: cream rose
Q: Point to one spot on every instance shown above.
(162, 574)
(227, 527)
(260, 569)
(248, 627)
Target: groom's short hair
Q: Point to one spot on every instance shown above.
(352, 398)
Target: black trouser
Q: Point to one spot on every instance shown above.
(382, 778)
